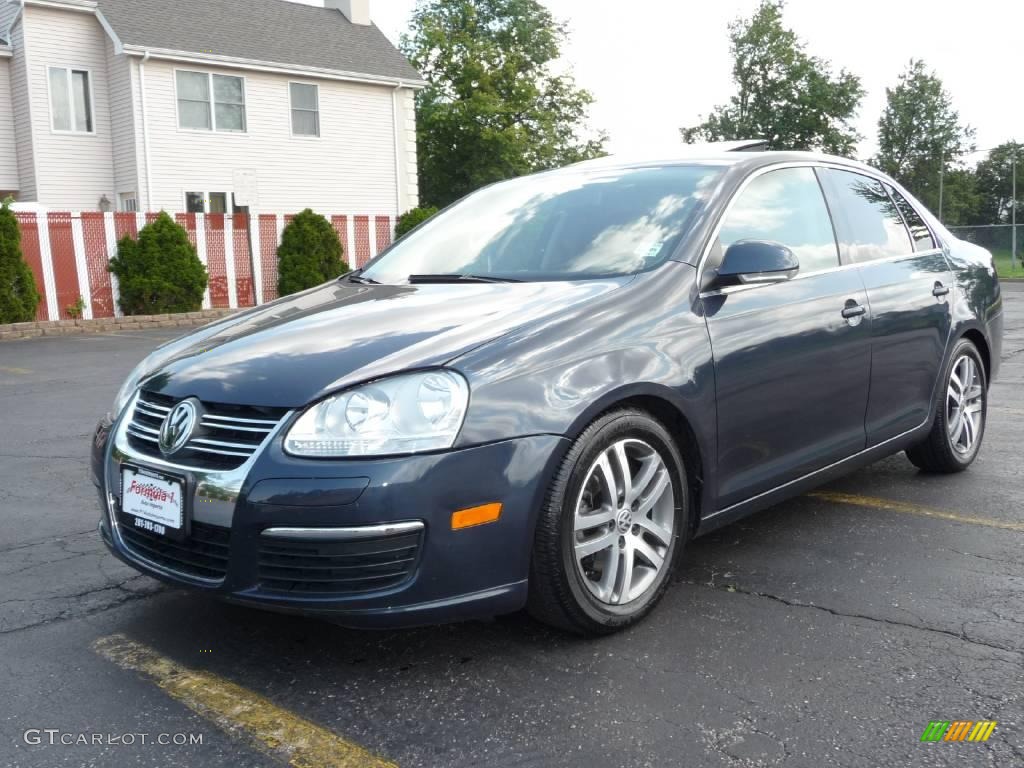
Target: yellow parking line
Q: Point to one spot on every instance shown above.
(237, 710)
(913, 509)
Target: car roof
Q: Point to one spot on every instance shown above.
(713, 155)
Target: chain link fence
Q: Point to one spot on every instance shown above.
(999, 239)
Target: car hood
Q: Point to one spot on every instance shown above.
(291, 352)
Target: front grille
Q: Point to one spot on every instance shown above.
(338, 567)
(226, 437)
(203, 554)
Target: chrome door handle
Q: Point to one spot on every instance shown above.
(855, 311)
(939, 290)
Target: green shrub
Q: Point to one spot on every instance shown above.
(310, 254)
(409, 220)
(160, 272)
(18, 295)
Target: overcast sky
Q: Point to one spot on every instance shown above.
(655, 65)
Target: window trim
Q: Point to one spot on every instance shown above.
(709, 244)
(213, 129)
(71, 101)
(291, 113)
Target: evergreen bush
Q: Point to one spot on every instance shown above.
(160, 272)
(310, 254)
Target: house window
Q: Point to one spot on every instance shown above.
(206, 202)
(71, 100)
(305, 109)
(128, 202)
(208, 102)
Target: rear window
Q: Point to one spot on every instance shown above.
(556, 226)
(919, 231)
(867, 221)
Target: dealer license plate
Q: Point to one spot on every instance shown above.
(155, 503)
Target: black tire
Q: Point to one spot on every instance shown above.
(557, 594)
(936, 453)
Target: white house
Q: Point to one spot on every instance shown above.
(204, 106)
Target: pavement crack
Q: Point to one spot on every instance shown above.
(961, 635)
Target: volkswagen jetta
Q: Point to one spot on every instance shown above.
(537, 397)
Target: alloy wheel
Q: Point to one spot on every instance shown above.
(623, 522)
(964, 405)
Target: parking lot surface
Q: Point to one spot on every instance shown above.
(828, 630)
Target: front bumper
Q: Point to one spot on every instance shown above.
(453, 575)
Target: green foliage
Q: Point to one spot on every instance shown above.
(310, 254)
(920, 137)
(409, 220)
(494, 108)
(75, 310)
(18, 295)
(995, 184)
(783, 94)
(160, 272)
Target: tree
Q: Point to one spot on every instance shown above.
(783, 94)
(920, 135)
(18, 295)
(995, 184)
(494, 108)
(160, 272)
(310, 254)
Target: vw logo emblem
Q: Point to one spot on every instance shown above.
(178, 427)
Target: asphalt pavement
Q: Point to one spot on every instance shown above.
(829, 630)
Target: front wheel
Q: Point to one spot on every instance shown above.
(608, 535)
(959, 424)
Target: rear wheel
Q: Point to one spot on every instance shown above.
(610, 529)
(959, 424)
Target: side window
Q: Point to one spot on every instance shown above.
(785, 206)
(867, 221)
(919, 231)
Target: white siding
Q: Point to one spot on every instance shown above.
(122, 123)
(22, 117)
(8, 153)
(75, 170)
(407, 150)
(350, 168)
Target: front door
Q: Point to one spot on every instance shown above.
(791, 370)
(909, 285)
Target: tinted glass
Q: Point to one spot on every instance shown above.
(554, 226)
(785, 206)
(919, 232)
(869, 225)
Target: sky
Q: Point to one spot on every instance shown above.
(656, 65)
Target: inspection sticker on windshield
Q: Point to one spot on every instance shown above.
(649, 250)
(153, 500)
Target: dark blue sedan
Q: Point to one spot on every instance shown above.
(536, 398)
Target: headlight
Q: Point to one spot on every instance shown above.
(124, 394)
(403, 414)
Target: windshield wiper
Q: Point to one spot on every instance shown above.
(457, 278)
(356, 277)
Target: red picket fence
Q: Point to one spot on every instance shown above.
(68, 254)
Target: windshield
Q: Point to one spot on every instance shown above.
(555, 226)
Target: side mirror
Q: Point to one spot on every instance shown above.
(757, 261)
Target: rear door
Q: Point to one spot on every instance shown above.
(908, 281)
(791, 371)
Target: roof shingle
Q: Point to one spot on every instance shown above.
(274, 31)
